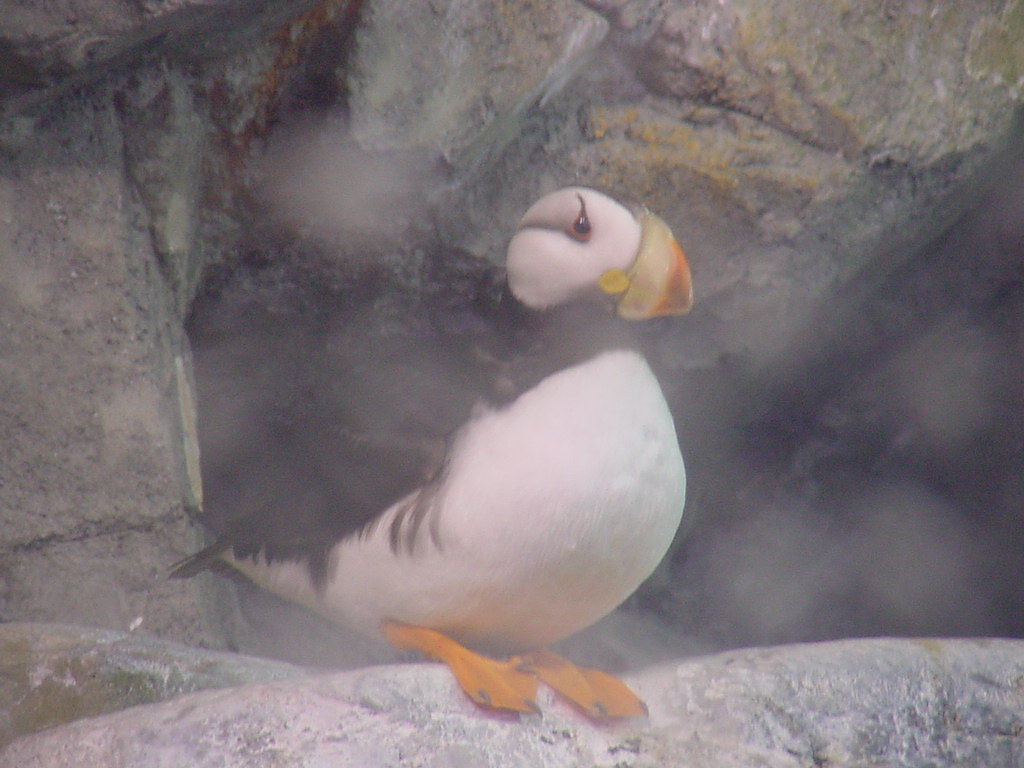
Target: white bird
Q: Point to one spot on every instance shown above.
(548, 506)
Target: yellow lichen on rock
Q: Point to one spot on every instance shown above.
(735, 160)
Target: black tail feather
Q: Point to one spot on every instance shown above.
(208, 558)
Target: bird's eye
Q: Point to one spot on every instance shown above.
(580, 228)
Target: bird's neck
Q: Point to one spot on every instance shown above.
(559, 338)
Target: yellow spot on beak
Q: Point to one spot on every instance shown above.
(613, 281)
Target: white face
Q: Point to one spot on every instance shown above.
(565, 242)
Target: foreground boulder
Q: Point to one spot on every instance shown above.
(857, 702)
(52, 673)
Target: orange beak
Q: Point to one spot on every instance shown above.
(659, 282)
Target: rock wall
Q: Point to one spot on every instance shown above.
(91, 455)
(123, 130)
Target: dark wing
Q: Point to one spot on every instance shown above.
(326, 395)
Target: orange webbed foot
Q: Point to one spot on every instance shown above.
(597, 694)
(502, 685)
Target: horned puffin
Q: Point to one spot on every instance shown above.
(556, 495)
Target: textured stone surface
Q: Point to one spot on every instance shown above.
(874, 702)
(849, 403)
(105, 160)
(49, 49)
(90, 456)
(770, 117)
(53, 673)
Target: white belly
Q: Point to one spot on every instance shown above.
(554, 510)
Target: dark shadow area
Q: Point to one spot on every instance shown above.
(868, 481)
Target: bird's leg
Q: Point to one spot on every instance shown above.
(599, 695)
(489, 683)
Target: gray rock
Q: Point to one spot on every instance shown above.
(48, 50)
(748, 123)
(91, 458)
(925, 702)
(855, 703)
(53, 673)
(103, 163)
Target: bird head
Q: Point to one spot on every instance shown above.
(577, 243)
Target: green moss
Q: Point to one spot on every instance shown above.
(40, 688)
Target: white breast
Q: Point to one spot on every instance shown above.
(553, 511)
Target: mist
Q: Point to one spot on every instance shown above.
(855, 471)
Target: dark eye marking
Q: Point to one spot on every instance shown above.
(580, 228)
